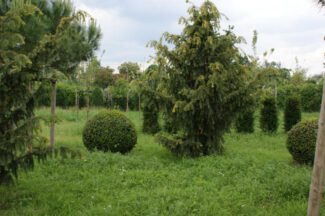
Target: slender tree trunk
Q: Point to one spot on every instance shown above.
(316, 187)
(53, 107)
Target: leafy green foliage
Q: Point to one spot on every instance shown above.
(269, 115)
(286, 91)
(97, 97)
(104, 77)
(245, 122)
(129, 70)
(292, 112)
(205, 83)
(65, 95)
(109, 131)
(311, 97)
(301, 141)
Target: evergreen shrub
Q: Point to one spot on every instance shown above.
(292, 112)
(245, 122)
(109, 131)
(269, 115)
(301, 141)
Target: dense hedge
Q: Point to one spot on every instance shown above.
(292, 112)
(301, 141)
(65, 96)
(309, 93)
(245, 122)
(97, 97)
(109, 131)
(286, 91)
(269, 115)
(119, 102)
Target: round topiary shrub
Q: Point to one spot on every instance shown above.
(301, 141)
(292, 112)
(109, 131)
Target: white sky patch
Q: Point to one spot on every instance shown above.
(294, 28)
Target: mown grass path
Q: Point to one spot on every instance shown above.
(256, 176)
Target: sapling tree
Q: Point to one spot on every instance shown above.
(74, 41)
(130, 71)
(205, 86)
(317, 180)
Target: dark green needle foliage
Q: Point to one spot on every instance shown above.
(292, 112)
(301, 141)
(33, 44)
(109, 131)
(269, 115)
(245, 122)
(150, 100)
(205, 84)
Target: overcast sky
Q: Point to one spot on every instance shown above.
(294, 28)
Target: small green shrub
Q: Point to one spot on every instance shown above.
(150, 120)
(97, 97)
(301, 141)
(245, 122)
(269, 115)
(109, 131)
(292, 113)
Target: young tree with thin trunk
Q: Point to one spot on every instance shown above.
(74, 40)
(317, 180)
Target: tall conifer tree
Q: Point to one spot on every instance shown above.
(206, 84)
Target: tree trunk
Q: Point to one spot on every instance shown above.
(316, 187)
(53, 107)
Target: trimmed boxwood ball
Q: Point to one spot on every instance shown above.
(109, 131)
(301, 141)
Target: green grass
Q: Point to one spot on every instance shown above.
(255, 176)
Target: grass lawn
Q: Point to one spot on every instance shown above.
(255, 176)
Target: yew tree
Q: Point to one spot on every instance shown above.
(19, 142)
(205, 85)
(30, 50)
